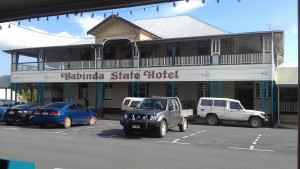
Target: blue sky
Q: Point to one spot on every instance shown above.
(229, 15)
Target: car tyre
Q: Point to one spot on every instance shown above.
(162, 129)
(127, 131)
(212, 120)
(67, 122)
(255, 122)
(184, 124)
(9, 122)
(93, 120)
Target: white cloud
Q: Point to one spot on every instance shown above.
(87, 23)
(17, 37)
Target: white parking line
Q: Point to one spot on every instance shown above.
(175, 140)
(55, 132)
(185, 137)
(172, 142)
(250, 149)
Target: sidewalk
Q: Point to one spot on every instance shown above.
(288, 125)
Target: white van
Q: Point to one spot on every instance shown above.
(129, 103)
(215, 110)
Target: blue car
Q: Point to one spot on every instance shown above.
(4, 105)
(64, 113)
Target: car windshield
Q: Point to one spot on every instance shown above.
(158, 104)
(58, 105)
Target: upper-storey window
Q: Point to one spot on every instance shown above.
(204, 47)
(148, 51)
(170, 48)
(85, 54)
(109, 52)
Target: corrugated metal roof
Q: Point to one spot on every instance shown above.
(5, 81)
(178, 26)
(287, 76)
(83, 42)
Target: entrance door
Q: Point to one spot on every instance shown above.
(245, 96)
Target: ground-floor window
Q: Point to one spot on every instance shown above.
(83, 90)
(203, 90)
(142, 92)
(108, 91)
(169, 89)
(259, 93)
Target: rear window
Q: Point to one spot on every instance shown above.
(25, 106)
(220, 103)
(134, 103)
(206, 102)
(126, 102)
(55, 106)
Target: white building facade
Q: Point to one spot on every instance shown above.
(162, 57)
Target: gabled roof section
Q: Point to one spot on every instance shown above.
(92, 31)
(178, 26)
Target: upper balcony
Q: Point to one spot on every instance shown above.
(232, 59)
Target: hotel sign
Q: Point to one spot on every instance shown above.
(120, 75)
(155, 74)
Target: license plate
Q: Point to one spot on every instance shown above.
(135, 126)
(45, 113)
(11, 112)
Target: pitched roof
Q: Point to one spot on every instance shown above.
(178, 26)
(91, 31)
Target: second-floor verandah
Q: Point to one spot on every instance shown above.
(124, 54)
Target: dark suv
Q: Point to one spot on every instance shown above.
(155, 114)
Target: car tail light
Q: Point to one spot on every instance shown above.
(37, 113)
(55, 113)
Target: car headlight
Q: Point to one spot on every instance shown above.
(125, 116)
(153, 118)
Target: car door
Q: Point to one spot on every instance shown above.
(236, 112)
(173, 113)
(74, 113)
(84, 113)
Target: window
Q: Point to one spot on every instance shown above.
(126, 102)
(235, 105)
(169, 90)
(203, 90)
(144, 90)
(72, 107)
(83, 90)
(85, 54)
(267, 90)
(107, 91)
(204, 47)
(221, 103)
(134, 103)
(206, 102)
(170, 47)
(81, 107)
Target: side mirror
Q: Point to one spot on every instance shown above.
(171, 107)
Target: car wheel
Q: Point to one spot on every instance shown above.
(67, 122)
(162, 129)
(183, 126)
(212, 120)
(127, 131)
(93, 120)
(255, 122)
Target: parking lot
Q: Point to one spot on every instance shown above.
(105, 146)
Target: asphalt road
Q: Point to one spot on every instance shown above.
(105, 146)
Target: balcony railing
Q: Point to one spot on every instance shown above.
(110, 64)
(254, 58)
(289, 106)
(251, 58)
